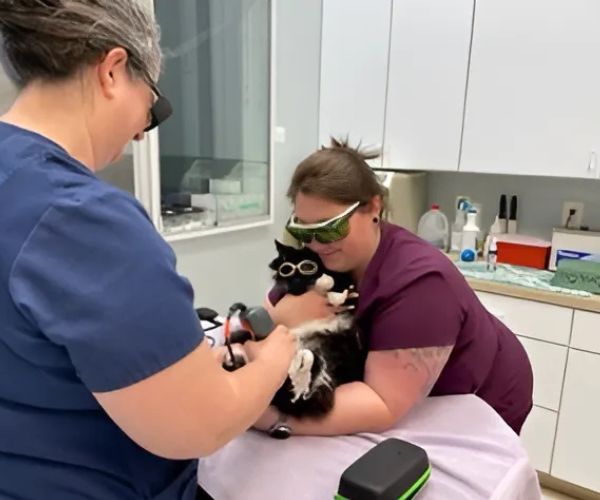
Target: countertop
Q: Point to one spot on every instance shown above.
(591, 304)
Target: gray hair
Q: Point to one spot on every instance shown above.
(53, 39)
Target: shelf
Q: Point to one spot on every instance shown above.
(192, 234)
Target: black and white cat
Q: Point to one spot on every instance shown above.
(329, 351)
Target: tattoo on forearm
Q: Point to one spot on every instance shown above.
(427, 361)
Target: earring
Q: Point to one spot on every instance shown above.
(376, 220)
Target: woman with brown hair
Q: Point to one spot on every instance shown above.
(426, 332)
(107, 389)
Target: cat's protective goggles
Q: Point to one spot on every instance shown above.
(306, 268)
(334, 229)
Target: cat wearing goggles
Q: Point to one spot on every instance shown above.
(329, 351)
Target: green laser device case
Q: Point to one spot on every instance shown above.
(392, 470)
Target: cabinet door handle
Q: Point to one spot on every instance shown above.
(592, 162)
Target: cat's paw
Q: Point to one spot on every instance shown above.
(352, 293)
(345, 301)
(340, 298)
(300, 373)
(337, 298)
(324, 283)
(303, 361)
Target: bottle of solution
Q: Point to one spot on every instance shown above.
(458, 224)
(434, 228)
(469, 233)
(492, 256)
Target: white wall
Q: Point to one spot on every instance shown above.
(7, 93)
(231, 267)
(120, 174)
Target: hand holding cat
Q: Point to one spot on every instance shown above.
(293, 310)
(278, 349)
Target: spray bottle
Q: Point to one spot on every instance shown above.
(461, 207)
(469, 232)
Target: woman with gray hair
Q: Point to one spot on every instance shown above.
(107, 390)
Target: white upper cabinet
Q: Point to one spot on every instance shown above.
(428, 64)
(533, 102)
(354, 56)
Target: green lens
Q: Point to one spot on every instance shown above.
(335, 232)
(301, 235)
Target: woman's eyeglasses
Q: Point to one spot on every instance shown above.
(329, 231)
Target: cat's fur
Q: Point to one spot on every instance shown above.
(335, 345)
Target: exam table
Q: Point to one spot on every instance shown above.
(473, 453)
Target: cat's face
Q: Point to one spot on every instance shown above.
(296, 269)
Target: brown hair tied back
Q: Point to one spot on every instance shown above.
(339, 173)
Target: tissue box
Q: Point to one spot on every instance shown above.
(567, 254)
(567, 240)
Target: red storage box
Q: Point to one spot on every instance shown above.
(521, 250)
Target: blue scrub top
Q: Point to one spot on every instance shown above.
(90, 301)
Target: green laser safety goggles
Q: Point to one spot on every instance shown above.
(334, 229)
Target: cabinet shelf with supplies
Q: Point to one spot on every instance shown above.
(208, 169)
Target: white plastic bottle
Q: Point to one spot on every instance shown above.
(462, 204)
(434, 228)
(470, 231)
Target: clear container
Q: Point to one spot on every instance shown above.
(457, 227)
(434, 228)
